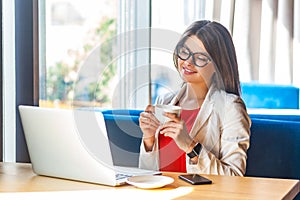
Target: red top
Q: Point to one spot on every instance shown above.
(171, 157)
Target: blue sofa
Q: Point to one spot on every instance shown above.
(271, 96)
(274, 148)
(124, 135)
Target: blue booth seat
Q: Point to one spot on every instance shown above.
(124, 135)
(131, 112)
(272, 96)
(274, 149)
(274, 144)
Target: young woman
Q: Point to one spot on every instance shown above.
(212, 133)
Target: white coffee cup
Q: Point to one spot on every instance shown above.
(161, 109)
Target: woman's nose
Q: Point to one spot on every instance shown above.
(189, 61)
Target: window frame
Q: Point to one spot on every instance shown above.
(19, 74)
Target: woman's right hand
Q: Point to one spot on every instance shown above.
(149, 124)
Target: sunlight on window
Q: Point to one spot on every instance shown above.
(73, 29)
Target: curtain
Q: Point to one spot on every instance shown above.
(266, 35)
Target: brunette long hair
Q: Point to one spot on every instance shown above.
(219, 45)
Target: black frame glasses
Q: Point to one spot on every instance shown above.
(199, 59)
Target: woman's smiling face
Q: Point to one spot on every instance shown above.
(191, 73)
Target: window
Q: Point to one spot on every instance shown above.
(109, 59)
(113, 54)
(75, 49)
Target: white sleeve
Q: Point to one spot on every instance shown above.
(149, 160)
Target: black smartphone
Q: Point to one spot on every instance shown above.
(195, 179)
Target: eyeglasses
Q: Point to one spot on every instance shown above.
(200, 59)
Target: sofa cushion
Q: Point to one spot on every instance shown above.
(274, 149)
(270, 96)
(124, 136)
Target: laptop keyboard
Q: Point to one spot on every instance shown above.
(120, 176)
(125, 172)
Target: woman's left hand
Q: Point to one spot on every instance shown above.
(176, 129)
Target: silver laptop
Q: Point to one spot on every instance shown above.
(72, 144)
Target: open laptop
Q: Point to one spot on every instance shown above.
(72, 144)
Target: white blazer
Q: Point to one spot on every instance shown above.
(222, 126)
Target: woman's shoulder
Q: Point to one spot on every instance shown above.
(228, 97)
(228, 100)
(230, 106)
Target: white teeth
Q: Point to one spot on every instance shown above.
(188, 70)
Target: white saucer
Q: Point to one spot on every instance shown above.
(149, 181)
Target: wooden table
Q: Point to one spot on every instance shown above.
(17, 181)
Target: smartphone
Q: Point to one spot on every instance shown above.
(195, 179)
